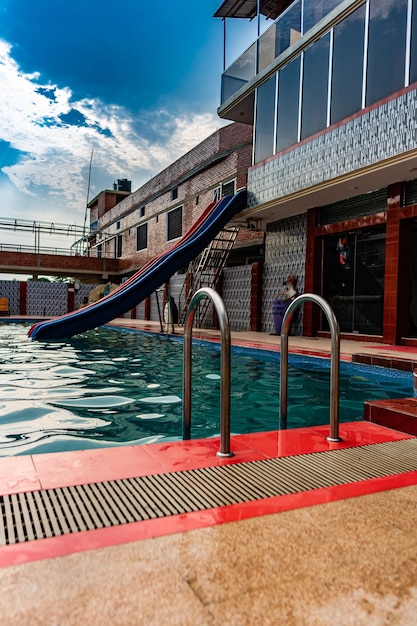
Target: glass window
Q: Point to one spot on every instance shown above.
(174, 223)
(288, 103)
(386, 48)
(413, 55)
(142, 237)
(265, 116)
(348, 66)
(315, 10)
(315, 87)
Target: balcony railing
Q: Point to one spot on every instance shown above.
(283, 33)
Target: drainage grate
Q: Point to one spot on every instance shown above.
(54, 512)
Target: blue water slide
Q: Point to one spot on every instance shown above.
(147, 279)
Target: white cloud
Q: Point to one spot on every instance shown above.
(53, 166)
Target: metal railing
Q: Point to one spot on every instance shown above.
(208, 292)
(334, 365)
(91, 253)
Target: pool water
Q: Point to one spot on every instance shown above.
(112, 387)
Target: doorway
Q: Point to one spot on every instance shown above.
(353, 279)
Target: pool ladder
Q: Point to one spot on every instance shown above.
(334, 365)
(208, 292)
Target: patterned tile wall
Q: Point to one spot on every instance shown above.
(237, 296)
(381, 133)
(46, 298)
(285, 246)
(11, 289)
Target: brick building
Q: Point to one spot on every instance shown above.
(138, 226)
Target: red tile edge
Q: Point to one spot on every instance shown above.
(106, 537)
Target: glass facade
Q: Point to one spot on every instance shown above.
(284, 32)
(361, 60)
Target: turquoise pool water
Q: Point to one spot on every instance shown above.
(115, 387)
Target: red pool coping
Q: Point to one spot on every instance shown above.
(45, 471)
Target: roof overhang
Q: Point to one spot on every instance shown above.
(248, 9)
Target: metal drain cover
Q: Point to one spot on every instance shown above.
(54, 512)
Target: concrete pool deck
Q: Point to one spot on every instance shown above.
(344, 555)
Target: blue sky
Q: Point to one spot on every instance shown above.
(137, 83)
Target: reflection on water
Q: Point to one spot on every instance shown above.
(109, 387)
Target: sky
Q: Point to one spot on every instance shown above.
(130, 85)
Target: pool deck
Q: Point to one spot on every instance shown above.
(340, 555)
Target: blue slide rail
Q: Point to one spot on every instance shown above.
(147, 279)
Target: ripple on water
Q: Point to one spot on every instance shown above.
(70, 371)
(95, 402)
(150, 416)
(160, 400)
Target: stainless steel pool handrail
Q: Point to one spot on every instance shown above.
(208, 292)
(334, 365)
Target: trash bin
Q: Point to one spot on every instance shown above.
(278, 311)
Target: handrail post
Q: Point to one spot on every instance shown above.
(334, 366)
(205, 292)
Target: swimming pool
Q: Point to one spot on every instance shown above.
(112, 387)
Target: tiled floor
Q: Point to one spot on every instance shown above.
(340, 555)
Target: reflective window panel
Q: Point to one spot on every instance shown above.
(288, 104)
(347, 72)
(386, 48)
(265, 116)
(315, 87)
